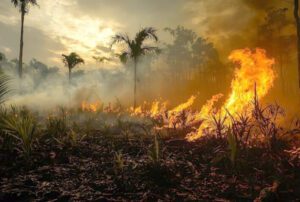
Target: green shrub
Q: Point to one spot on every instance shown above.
(56, 126)
(20, 125)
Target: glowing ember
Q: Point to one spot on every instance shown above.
(254, 68)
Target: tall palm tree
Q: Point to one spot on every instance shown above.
(24, 8)
(72, 61)
(136, 49)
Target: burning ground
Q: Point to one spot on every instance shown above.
(233, 148)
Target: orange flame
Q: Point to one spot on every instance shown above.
(184, 106)
(91, 107)
(254, 69)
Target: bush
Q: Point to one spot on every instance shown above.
(21, 125)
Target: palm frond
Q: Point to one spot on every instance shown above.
(150, 49)
(120, 38)
(72, 60)
(101, 59)
(146, 33)
(33, 2)
(4, 87)
(15, 2)
(24, 5)
(123, 57)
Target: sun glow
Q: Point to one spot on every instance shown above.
(77, 33)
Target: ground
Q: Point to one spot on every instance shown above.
(118, 167)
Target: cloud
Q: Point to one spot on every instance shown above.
(85, 25)
(37, 44)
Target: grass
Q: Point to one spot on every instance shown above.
(21, 126)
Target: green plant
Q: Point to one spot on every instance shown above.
(4, 87)
(266, 120)
(56, 126)
(154, 152)
(233, 146)
(75, 138)
(218, 121)
(125, 128)
(22, 127)
(118, 162)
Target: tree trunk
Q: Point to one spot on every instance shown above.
(70, 72)
(21, 41)
(134, 92)
(296, 14)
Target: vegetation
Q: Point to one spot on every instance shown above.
(71, 61)
(21, 125)
(244, 160)
(4, 87)
(136, 49)
(23, 6)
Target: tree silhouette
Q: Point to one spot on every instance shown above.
(296, 15)
(24, 8)
(136, 49)
(189, 52)
(72, 61)
(272, 37)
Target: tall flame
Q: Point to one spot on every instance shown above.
(254, 69)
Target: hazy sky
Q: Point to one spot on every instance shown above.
(86, 26)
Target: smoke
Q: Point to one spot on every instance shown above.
(43, 88)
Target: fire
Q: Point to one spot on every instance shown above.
(91, 107)
(184, 106)
(158, 108)
(254, 69)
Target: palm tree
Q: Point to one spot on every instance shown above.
(136, 49)
(24, 8)
(72, 61)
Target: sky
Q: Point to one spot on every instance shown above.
(86, 26)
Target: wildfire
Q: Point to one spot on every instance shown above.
(254, 69)
(91, 107)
